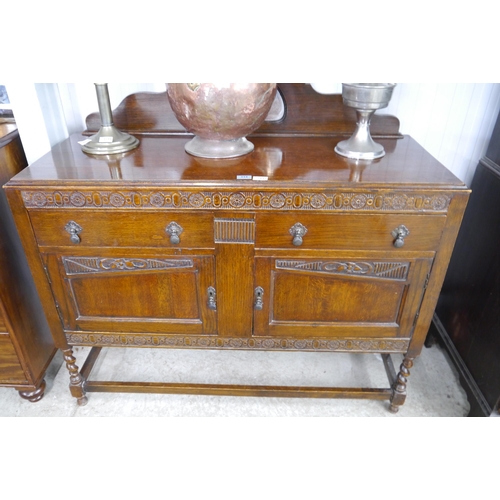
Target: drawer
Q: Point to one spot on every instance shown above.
(10, 368)
(349, 231)
(122, 229)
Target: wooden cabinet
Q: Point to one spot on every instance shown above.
(319, 256)
(26, 346)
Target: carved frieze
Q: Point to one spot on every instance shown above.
(78, 265)
(336, 201)
(253, 343)
(388, 270)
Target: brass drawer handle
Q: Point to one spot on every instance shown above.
(74, 230)
(174, 230)
(297, 231)
(400, 233)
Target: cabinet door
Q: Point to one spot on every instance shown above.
(338, 297)
(127, 294)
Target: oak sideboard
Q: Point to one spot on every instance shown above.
(291, 247)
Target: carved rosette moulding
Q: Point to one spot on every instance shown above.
(241, 200)
(253, 343)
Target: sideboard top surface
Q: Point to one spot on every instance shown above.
(285, 161)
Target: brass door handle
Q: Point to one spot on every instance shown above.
(212, 298)
(297, 231)
(400, 233)
(74, 230)
(258, 294)
(174, 230)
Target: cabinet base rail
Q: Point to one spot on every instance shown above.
(236, 390)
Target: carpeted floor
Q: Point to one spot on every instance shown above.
(433, 388)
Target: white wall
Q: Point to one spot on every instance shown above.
(47, 113)
(452, 121)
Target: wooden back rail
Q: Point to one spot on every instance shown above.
(307, 113)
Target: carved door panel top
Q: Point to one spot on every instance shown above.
(339, 298)
(134, 295)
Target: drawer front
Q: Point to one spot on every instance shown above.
(123, 229)
(11, 371)
(346, 231)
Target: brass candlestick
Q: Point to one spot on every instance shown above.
(109, 140)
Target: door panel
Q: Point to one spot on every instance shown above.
(335, 298)
(153, 295)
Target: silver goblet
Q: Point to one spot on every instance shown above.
(365, 98)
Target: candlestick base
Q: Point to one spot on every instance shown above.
(110, 140)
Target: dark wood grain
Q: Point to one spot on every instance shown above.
(364, 232)
(138, 229)
(235, 284)
(310, 162)
(11, 370)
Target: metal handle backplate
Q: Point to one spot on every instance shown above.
(298, 230)
(212, 298)
(258, 295)
(400, 233)
(74, 230)
(174, 230)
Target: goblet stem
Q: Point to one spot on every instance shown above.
(362, 133)
(360, 145)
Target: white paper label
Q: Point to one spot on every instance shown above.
(244, 177)
(105, 139)
(86, 141)
(260, 178)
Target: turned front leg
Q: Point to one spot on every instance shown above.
(399, 388)
(76, 381)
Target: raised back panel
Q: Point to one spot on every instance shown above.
(307, 113)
